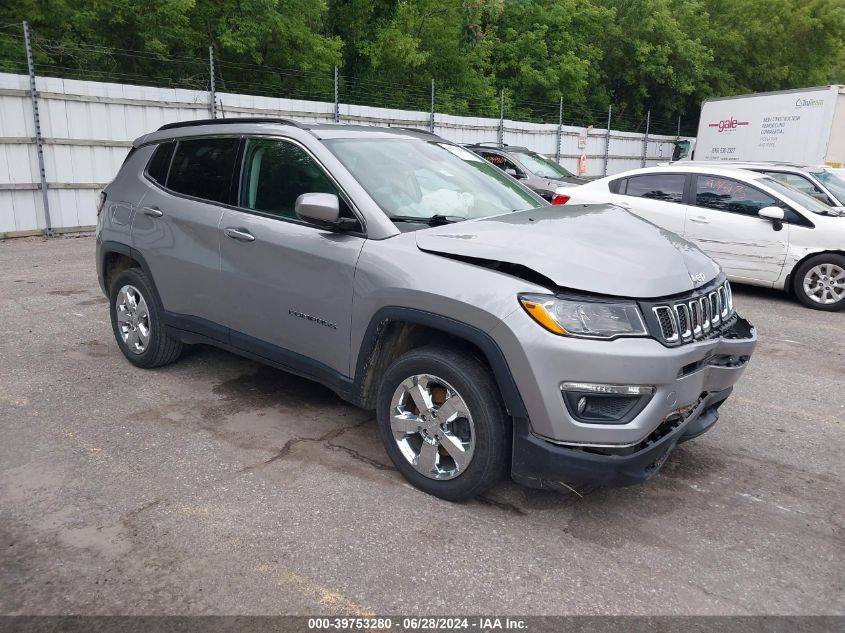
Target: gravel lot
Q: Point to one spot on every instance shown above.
(217, 485)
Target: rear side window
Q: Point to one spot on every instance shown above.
(733, 196)
(665, 187)
(160, 161)
(276, 173)
(203, 168)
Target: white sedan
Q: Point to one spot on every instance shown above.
(759, 230)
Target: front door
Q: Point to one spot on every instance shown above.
(723, 222)
(287, 284)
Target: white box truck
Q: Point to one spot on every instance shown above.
(804, 126)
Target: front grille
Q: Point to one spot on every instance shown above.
(697, 317)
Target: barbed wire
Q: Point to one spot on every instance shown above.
(85, 61)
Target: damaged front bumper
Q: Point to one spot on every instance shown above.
(689, 388)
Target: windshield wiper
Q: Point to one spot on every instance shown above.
(434, 220)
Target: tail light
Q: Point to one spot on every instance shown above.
(560, 198)
(101, 202)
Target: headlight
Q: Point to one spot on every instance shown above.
(590, 319)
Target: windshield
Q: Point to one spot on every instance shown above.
(805, 200)
(834, 184)
(409, 178)
(541, 166)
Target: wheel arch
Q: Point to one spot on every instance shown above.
(788, 285)
(116, 257)
(394, 330)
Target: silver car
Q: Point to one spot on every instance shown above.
(817, 181)
(491, 332)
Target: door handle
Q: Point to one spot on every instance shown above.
(153, 212)
(700, 220)
(242, 235)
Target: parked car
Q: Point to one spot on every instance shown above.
(816, 181)
(490, 331)
(761, 231)
(541, 174)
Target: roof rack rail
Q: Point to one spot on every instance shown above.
(409, 128)
(492, 143)
(198, 122)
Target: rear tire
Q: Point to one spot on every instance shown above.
(136, 318)
(443, 423)
(819, 283)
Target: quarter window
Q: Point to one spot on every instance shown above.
(160, 161)
(664, 187)
(733, 196)
(276, 173)
(203, 168)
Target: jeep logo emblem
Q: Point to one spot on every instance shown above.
(699, 278)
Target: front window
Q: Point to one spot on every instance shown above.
(275, 174)
(733, 196)
(541, 166)
(418, 179)
(500, 161)
(833, 183)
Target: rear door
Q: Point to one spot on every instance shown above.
(286, 284)
(722, 220)
(176, 226)
(658, 198)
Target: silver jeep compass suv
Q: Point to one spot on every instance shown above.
(490, 331)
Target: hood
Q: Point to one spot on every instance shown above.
(592, 248)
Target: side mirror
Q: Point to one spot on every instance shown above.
(821, 197)
(510, 171)
(323, 208)
(775, 214)
(771, 213)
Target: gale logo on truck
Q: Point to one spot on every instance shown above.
(727, 124)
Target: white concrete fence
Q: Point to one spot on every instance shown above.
(87, 128)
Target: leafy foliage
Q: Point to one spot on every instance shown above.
(636, 55)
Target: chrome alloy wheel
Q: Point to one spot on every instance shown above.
(133, 319)
(825, 283)
(432, 426)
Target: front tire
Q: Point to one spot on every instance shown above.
(819, 283)
(443, 423)
(136, 319)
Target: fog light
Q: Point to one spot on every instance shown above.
(605, 404)
(582, 404)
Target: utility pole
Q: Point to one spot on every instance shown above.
(212, 95)
(607, 139)
(501, 118)
(39, 141)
